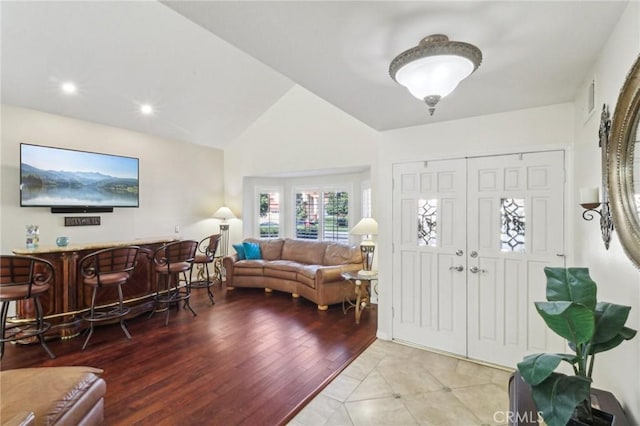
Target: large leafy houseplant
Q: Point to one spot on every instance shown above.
(590, 327)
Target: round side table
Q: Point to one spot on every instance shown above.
(362, 284)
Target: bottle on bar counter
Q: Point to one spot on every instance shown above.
(33, 236)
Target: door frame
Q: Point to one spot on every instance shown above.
(386, 237)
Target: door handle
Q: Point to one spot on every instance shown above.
(458, 268)
(475, 270)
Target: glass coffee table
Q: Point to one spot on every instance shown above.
(362, 285)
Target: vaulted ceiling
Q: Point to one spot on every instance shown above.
(211, 68)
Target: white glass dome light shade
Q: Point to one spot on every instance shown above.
(434, 75)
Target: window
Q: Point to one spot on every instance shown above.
(336, 216)
(269, 214)
(366, 202)
(307, 206)
(322, 215)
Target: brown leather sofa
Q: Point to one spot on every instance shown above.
(307, 268)
(52, 396)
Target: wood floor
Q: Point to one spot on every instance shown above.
(251, 359)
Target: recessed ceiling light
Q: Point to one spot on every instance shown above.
(146, 109)
(69, 88)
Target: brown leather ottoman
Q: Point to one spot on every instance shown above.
(52, 396)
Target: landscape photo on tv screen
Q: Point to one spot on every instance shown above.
(51, 177)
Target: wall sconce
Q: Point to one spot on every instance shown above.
(590, 198)
(590, 201)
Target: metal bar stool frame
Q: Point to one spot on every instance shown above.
(171, 260)
(21, 278)
(111, 267)
(207, 248)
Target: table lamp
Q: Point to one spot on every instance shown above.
(366, 227)
(224, 213)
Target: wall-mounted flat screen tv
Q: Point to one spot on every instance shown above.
(57, 177)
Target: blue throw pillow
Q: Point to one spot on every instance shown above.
(240, 250)
(252, 250)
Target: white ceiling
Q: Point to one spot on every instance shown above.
(212, 67)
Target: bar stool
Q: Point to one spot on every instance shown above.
(107, 268)
(207, 251)
(21, 278)
(171, 260)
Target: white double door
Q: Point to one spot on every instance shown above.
(471, 238)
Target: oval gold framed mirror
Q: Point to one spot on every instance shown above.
(623, 165)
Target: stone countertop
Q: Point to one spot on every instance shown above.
(90, 246)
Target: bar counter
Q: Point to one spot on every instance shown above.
(68, 299)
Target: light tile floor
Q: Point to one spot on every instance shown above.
(395, 384)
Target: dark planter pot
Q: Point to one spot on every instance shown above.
(600, 418)
(521, 405)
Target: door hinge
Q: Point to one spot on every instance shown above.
(393, 312)
(393, 247)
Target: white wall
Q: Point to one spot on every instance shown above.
(618, 280)
(301, 132)
(180, 183)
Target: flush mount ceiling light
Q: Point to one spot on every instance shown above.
(146, 109)
(433, 68)
(69, 88)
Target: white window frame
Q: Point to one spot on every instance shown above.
(282, 212)
(366, 203)
(321, 190)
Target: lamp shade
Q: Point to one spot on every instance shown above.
(224, 213)
(434, 68)
(434, 75)
(366, 226)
